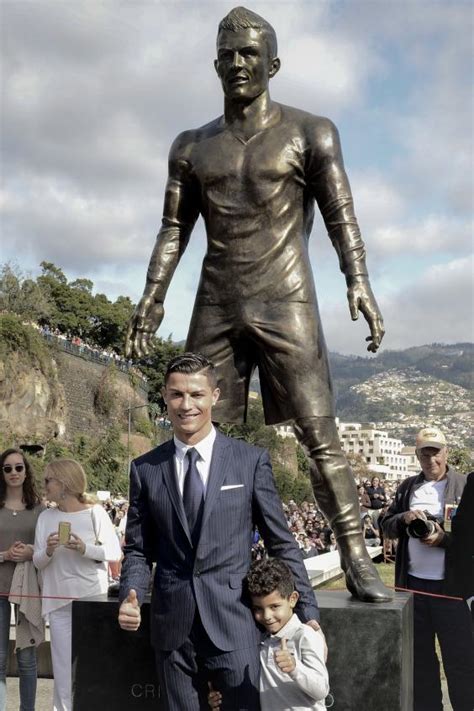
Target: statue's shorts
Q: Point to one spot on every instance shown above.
(283, 339)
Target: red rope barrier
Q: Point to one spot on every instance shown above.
(396, 588)
(417, 592)
(38, 597)
(421, 592)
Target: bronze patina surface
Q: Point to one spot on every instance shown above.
(255, 174)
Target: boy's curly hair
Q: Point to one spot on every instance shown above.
(267, 575)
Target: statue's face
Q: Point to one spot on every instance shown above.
(243, 64)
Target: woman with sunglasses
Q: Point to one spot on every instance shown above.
(19, 510)
(73, 568)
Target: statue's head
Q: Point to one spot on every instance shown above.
(246, 54)
(239, 18)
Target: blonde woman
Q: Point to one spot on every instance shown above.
(75, 568)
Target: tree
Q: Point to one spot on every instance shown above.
(105, 463)
(154, 366)
(73, 312)
(460, 459)
(21, 295)
(358, 465)
(110, 321)
(83, 285)
(52, 272)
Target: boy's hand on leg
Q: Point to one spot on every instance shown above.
(214, 698)
(284, 659)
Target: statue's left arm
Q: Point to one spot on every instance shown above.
(180, 212)
(328, 181)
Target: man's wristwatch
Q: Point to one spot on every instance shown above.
(2, 557)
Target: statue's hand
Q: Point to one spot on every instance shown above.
(361, 298)
(144, 323)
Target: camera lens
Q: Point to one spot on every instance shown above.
(418, 528)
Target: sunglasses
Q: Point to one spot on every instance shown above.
(8, 468)
(47, 479)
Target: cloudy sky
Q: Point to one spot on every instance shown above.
(94, 92)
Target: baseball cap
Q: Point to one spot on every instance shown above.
(430, 437)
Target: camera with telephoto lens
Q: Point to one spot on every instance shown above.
(419, 528)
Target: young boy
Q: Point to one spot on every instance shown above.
(293, 674)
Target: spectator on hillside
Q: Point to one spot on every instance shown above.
(318, 542)
(364, 500)
(377, 496)
(371, 537)
(308, 550)
(331, 544)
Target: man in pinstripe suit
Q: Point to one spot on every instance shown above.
(202, 627)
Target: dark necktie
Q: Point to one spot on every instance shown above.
(193, 495)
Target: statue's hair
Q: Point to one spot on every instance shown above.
(239, 18)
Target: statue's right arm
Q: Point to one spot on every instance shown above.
(180, 212)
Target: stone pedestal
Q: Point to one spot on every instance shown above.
(370, 660)
(111, 669)
(370, 656)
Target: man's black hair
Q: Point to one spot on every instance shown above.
(267, 575)
(189, 363)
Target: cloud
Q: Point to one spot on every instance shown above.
(433, 234)
(94, 94)
(438, 307)
(61, 225)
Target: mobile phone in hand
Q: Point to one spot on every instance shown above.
(64, 532)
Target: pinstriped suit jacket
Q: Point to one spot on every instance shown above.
(240, 495)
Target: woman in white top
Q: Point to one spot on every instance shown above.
(71, 570)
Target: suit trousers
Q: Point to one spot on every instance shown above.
(449, 620)
(185, 673)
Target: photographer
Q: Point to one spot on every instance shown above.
(423, 564)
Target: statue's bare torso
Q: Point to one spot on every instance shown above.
(256, 196)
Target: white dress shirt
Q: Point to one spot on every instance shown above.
(204, 449)
(307, 685)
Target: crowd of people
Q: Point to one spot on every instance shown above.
(86, 562)
(52, 550)
(312, 530)
(88, 559)
(77, 345)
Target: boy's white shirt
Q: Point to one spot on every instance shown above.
(308, 685)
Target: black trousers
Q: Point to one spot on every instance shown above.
(185, 673)
(449, 621)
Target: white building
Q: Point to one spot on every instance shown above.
(384, 455)
(285, 431)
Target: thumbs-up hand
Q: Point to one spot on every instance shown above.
(284, 659)
(129, 613)
(214, 698)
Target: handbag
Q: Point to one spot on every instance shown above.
(97, 541)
